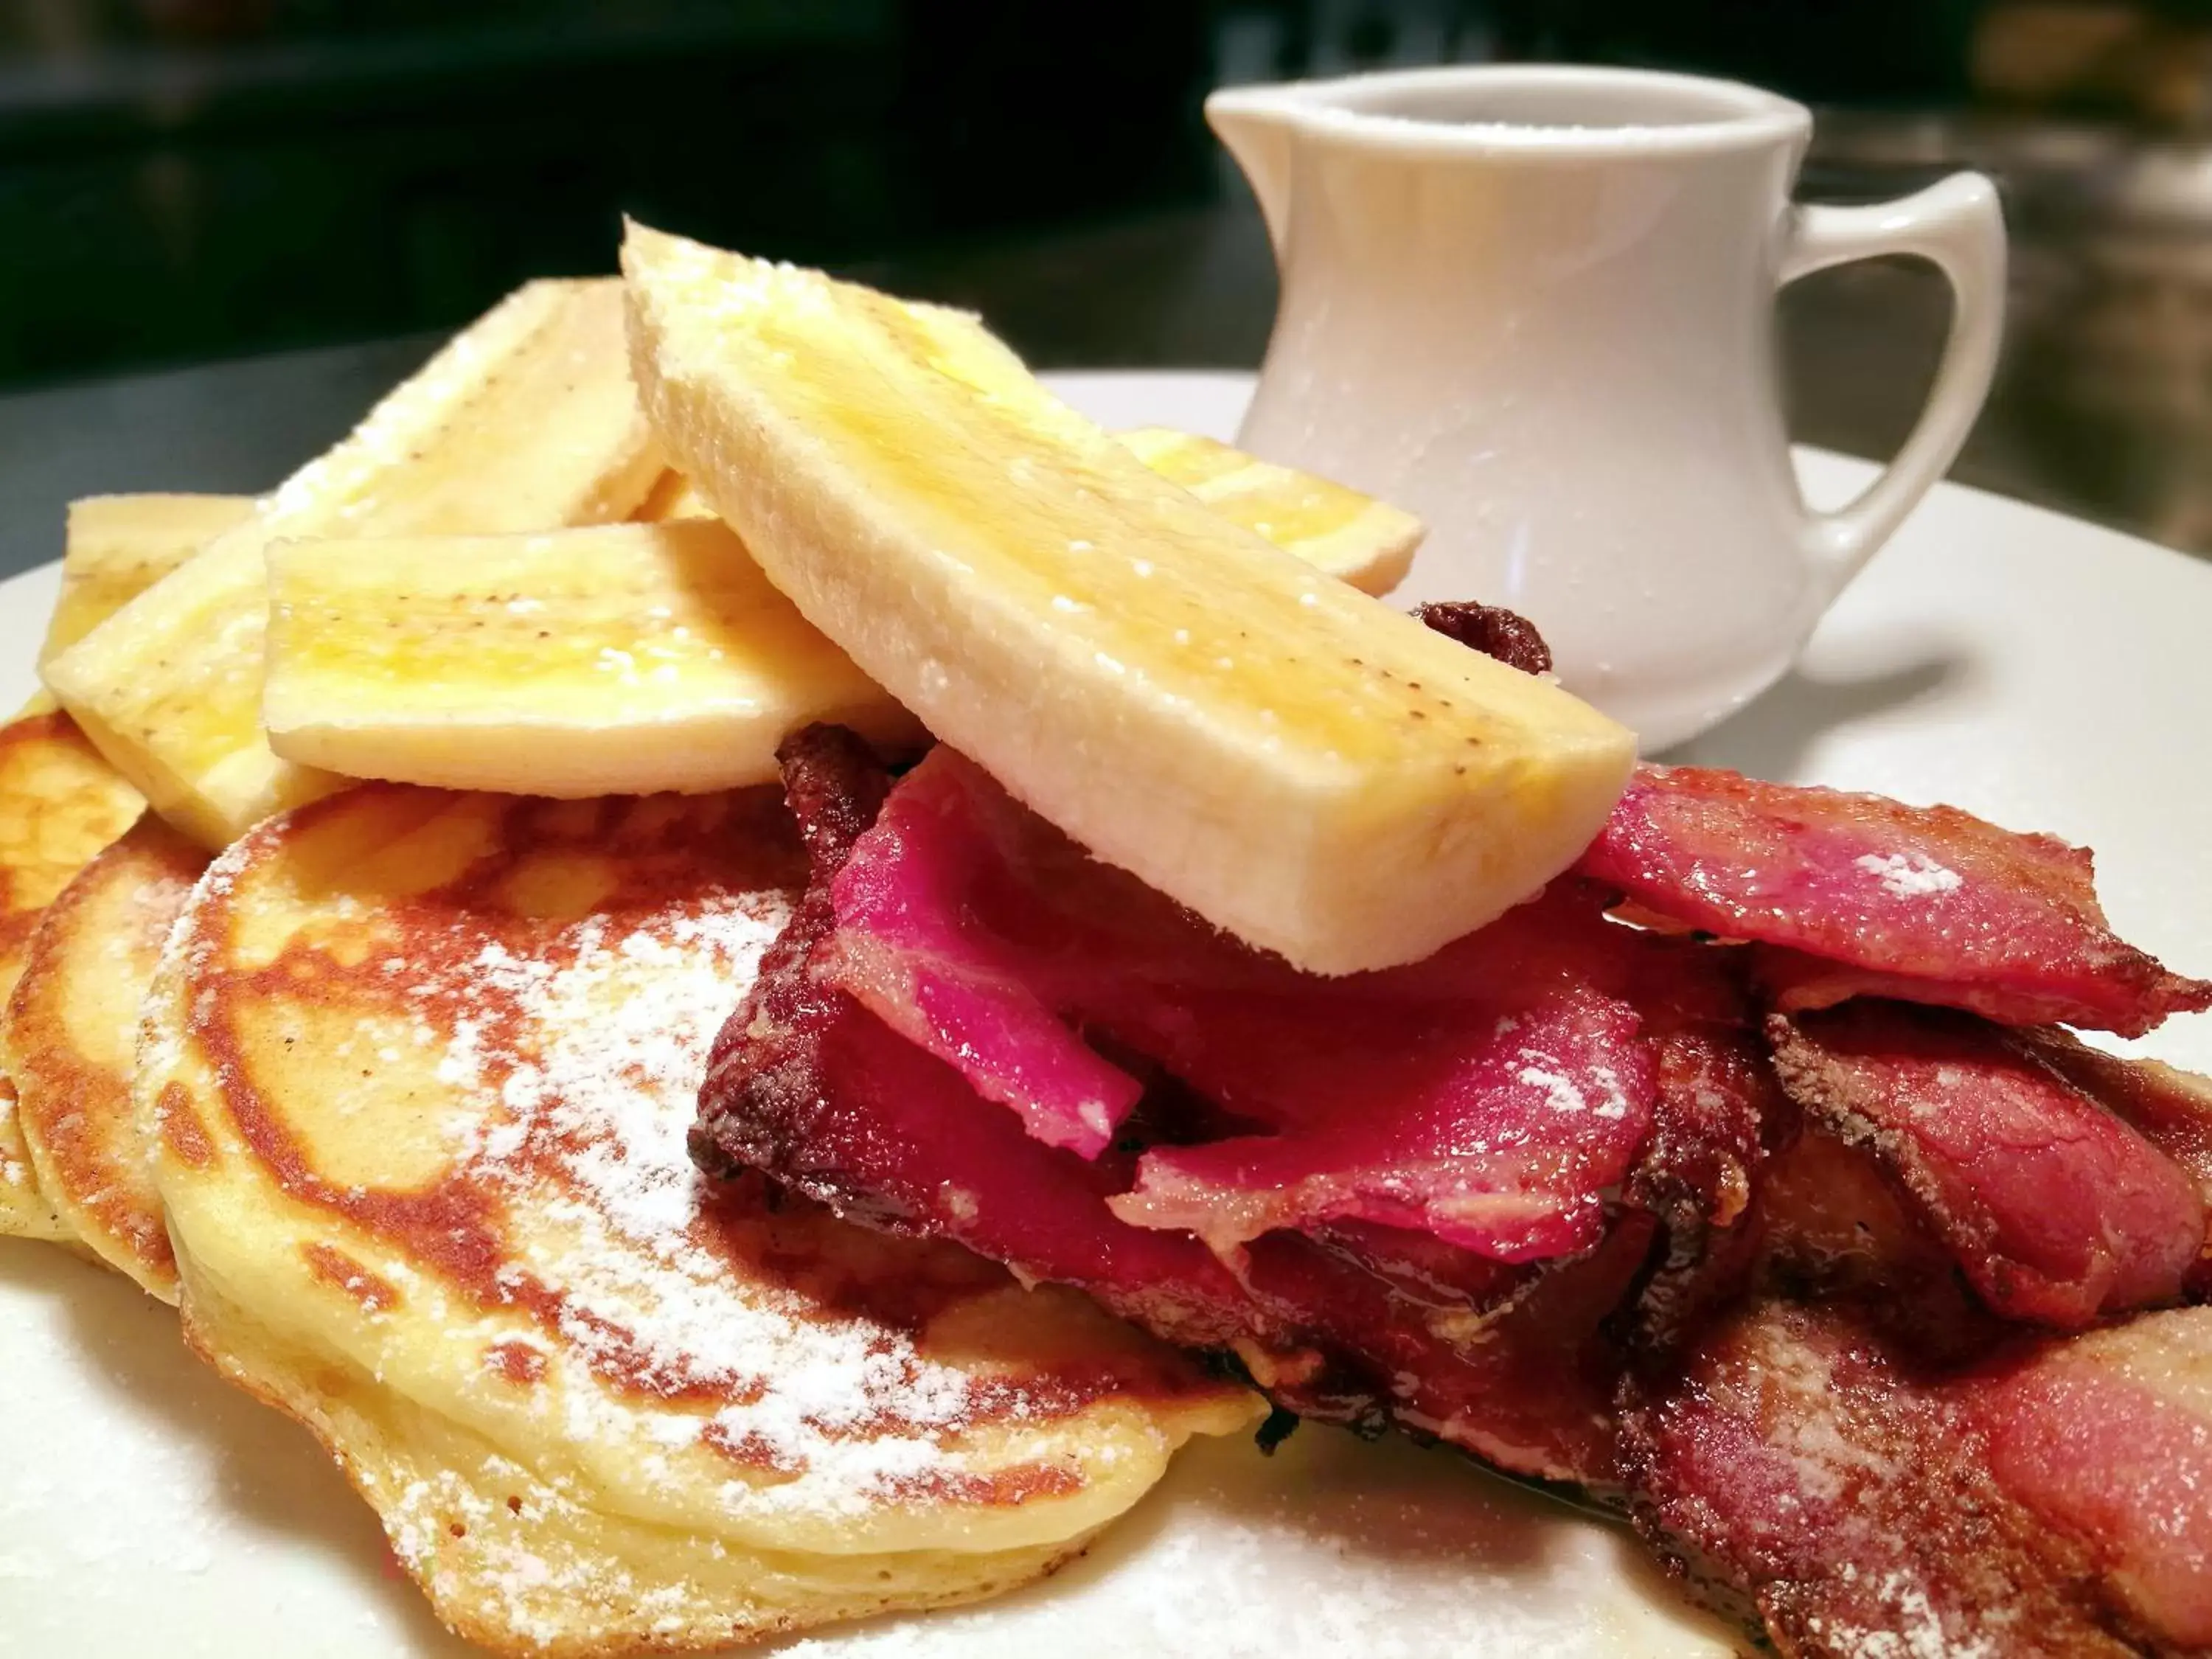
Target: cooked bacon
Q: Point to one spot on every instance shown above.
(1488, 1097)
(2171, 1109)
(1716, 1117)
(1531, 1390)
(835, 786)
(2107, 1438)
(2046, 1498)
(1832, 1223)
(803, 1084)
(1491, 630)
(1801, 1460)
(1362, 1322)
(1868, 896)
(891, 1136)
(981, 933)
(2056, 1210)
(1861, 896)
(1498, 1132)
(919, 946)
(1422, 1269)
(1527, 1385)
(1544, 1197)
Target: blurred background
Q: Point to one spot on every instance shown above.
(227, 225)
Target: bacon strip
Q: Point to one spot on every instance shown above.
(2108, 1438)
(2056, 1210)
(1488, 1097)
(1799, 1460)
(1717, 1115)
(803, 1084)
(2048, 1500)
(1495, 1132)
(2169, 1107)
(1361, 1323)
(1868, 896)
(983, 934)
(889, 1136)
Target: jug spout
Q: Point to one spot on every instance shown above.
(1258, 125)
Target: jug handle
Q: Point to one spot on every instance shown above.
(1958, 226)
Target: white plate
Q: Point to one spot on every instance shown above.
(2045, 673)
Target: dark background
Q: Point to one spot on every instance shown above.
(190, 182)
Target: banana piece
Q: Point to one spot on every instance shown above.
(1354, 538)
(526, 421)
(1297, 763)
(619, 660)
(119, 546)
(673, 497)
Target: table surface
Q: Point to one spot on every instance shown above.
(2083, 424)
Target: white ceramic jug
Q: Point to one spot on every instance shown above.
(1536, 305)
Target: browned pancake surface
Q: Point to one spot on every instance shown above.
(60, 804)
(422, 1067)
(70, 1040)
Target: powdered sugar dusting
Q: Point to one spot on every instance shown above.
(1910, 875)
(592, 1046)
(1915, 1631)
(188, 949)
(13, 1172)
(1561, 1092)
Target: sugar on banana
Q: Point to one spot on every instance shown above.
(1299, 764)
(527, 420)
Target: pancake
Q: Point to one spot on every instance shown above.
(69, 1043)
(419, 1068)
(60, 804)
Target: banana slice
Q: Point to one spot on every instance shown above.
(1354, 538)
(619, 660)
(526, 421)
(673, 497)
(1294, 761)
(119, 546)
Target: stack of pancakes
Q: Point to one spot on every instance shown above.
(390, 1099)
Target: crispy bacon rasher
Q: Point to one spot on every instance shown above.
(1862, 895)
(2047, 1500)
(1486, 1097)
(2055, 1209)
(1791, 1216)
(2169, 1107)
(809, 1084)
